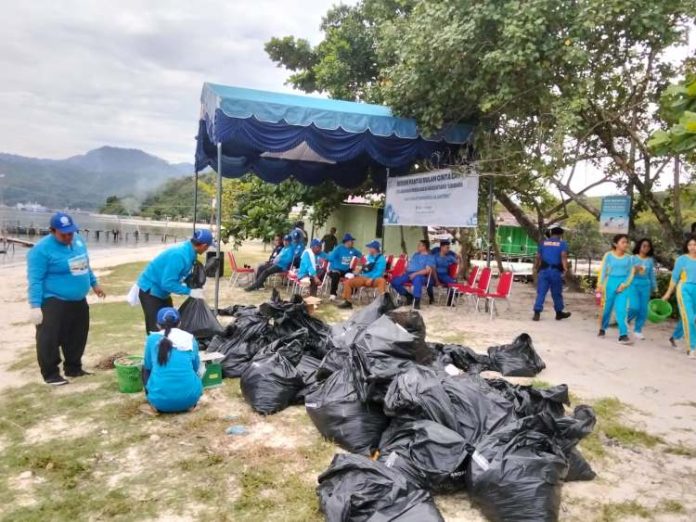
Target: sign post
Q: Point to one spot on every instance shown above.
(615, 215)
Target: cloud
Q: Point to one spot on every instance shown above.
(77, 74)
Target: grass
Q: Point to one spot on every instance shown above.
(681, 450)
(119, 279)
(622, 510)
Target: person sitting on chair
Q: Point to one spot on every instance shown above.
(340, 258)
(371, 274)
(420, 266)
(298, 245)
(171, 366)
(281, 263)
(277, 247)
(308, 273)
(444, 259)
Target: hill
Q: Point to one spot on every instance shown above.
(86, 180)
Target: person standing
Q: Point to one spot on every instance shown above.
(340, 259)
(329, 240)
(551, 263)
(444, 259)
(683, 281)
(281, 263)
(308, 272)
(371, 275)
(644, 284)
(615, 278)
(60, 277)
(165, 274)
(419, 268)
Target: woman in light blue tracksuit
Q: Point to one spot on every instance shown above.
(615, 278)
(644, 284)
(684, 283)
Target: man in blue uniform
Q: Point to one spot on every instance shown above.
(298, 245)
(340, 258)
(551, 263)
(280, 263)
(308, 267)
(165, 275)
(444, 259)
(60, 278)
(420, 266)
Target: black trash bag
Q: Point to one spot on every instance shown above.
(429, 455)
(236, 310)
(357, 489)
(413, 323)
(241, 341)
(345, 334)
(516, 474)
(212, 265)
(197, 277)
(334, 361)
(461, 357)
(271, 381)
(198, 320)
(530, 401)
(578, 467)
(307, 369)
(518, 359)
(341, 412)
(465, 404)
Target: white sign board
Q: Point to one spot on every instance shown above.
(438, 198)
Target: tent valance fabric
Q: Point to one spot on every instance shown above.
(274, 135)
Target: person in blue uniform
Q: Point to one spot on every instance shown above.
(644, 284)
(551, 263)
(444, 259)
(420, 267)
(298, 245)
(615, 278)
(339, 262)
(684, 283)
(277, 247)
(371, 274)
(165, 274)
(60, 277)
(172, 368)
(280, 263)
(308, 272)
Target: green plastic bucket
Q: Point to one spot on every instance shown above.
(128, 373)
(659, 310)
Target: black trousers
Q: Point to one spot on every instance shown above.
(151, 305)
(268, 272)
(335, 276)
(65, 325)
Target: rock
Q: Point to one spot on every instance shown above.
(24, 475)
(50, 466)
(154, 438)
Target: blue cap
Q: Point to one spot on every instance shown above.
(168, 316)
(348, 237)
(63, 223)
(315, 243)
(296, 235)
(203, 236)
(374, 244)
(444, 242)
(287, 237)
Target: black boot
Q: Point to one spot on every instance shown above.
(562, 315)
(345, 304)
(409, 299)
(536, 317)
(416, 304)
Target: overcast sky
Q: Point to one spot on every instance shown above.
(76, 74)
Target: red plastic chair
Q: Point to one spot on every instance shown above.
(470, 281)
(443, 289)
(502, 292)
(237, 272)
(477, 291)
(397, 270)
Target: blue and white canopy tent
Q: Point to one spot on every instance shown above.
(278, 136)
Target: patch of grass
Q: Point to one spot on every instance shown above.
(540, 385)
(681, 450)
(119, 279)
(691, 404)
(671, 506)
(592, 447)
(622, 510)
(24, 359)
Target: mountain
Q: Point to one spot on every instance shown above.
(86, 180)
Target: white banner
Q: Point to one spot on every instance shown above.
(438, 198)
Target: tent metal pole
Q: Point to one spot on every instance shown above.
(490, 221)
(195, 199)
(218, 219)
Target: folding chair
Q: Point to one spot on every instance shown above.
(443, 289)
(239, 273)
(470, 281)
(480, 289)
(351, 267)
(502, 291)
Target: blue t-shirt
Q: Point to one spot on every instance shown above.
(419, 261)
(340, 257)
(58, 270)
(165, 274)
(442, 263)
(646, 277)
(285, 257)
(616, 267)
(550, 251)
(684, 270)
(176, 385)
(380, 266)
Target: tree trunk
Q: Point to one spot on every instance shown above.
(466, 247)
(677, 196)
(496, 250)
(404, 249)
(530, 227)
(424, 230)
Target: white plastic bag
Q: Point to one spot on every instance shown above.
(133, 298)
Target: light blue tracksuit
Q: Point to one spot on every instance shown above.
(644, 284)
(615, 271)
(684, 276)
(165, 274)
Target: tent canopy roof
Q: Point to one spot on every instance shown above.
(278, 135)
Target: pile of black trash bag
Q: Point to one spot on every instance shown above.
(416, 417)
(196, 316)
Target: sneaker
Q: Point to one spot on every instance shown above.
(56, 381)
(601, 333)
(639, 335)
(673, 343)
(332, 297)
(536, 316)
(416, 304)
(81, 373)
(345, 304)
(562, 315)
(692, 355)
(624, 339)
(250, 288)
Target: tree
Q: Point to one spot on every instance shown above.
(678, 112)
(175, 199)
(113, 206)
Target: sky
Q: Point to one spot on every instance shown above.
(76, 75)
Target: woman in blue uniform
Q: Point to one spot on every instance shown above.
(684, 282)
(644, 284)
(615, 277)
(171, 366)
